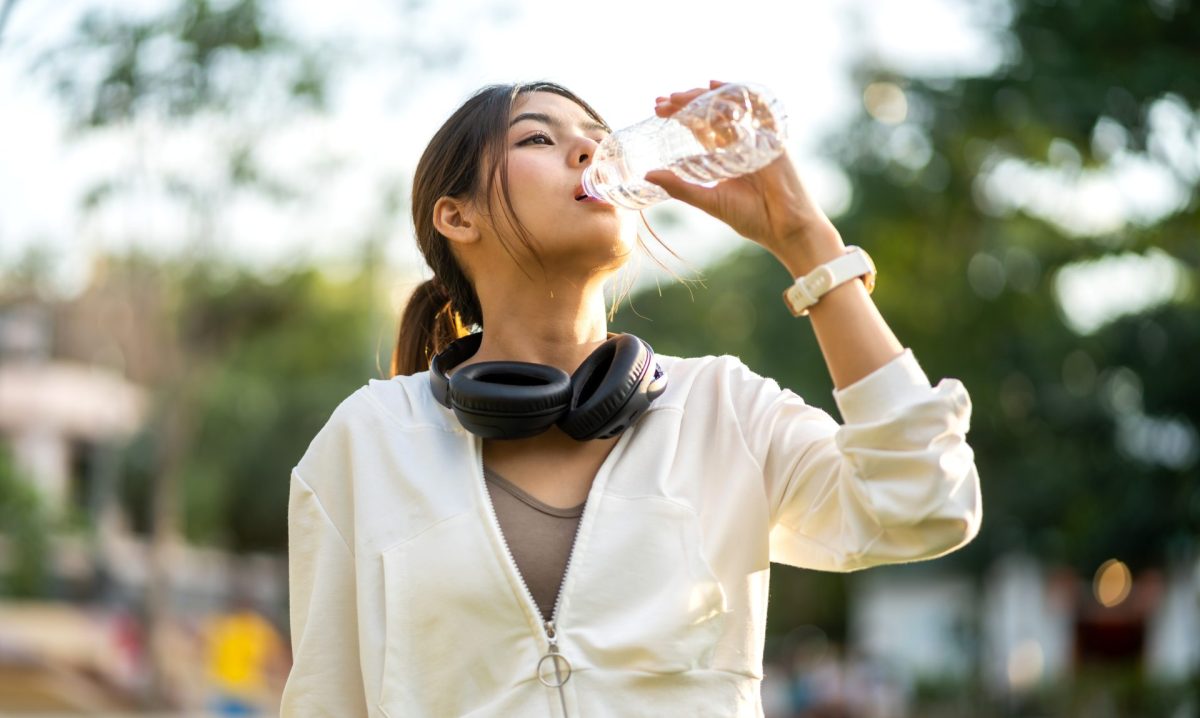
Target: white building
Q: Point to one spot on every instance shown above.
(54, 414)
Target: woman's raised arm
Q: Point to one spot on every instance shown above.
(772, 207)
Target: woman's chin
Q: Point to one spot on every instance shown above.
(595, 253)
(618, 247)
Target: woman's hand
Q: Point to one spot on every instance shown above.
(769, 206)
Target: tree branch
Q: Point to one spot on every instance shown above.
(5, 11)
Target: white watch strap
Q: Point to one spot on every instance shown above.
(809, 289)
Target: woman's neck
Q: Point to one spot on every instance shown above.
(557, 326)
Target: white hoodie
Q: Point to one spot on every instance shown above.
(406, 602)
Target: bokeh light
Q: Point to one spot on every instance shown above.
(886, 102)
(1026, 664)
(1112, 583)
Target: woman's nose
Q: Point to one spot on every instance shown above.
(582, 153)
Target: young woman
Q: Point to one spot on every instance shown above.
(586, 528)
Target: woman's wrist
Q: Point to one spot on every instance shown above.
(809, 246)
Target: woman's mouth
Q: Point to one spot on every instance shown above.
(581, 196)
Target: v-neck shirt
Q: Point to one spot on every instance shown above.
(538, 535)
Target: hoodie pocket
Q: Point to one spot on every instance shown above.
(456, 637)
(642, 595)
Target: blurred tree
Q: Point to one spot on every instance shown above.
(286, 352)
(24, 528)
(977, 197)
(229, 66)
(987, 191)
(250, 368)
(196, 56)
(5, 12)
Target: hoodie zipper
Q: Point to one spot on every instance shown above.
(553, 669)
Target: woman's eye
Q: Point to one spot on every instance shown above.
(538, 139)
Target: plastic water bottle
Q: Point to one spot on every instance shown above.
(730, 131)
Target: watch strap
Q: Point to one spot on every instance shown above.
(808, 290)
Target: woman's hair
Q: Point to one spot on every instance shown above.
(463, 160)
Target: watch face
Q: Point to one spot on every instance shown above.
(869, 277)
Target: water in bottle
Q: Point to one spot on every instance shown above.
(726, 132)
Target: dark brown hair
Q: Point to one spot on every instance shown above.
(463, 160)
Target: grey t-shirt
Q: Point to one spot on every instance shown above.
(538, 535)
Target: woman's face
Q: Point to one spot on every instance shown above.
(550, 141)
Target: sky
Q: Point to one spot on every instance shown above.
(618, 56)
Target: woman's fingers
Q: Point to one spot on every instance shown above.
(688, 95)
(667, 105)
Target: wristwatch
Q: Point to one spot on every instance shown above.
(809, 289)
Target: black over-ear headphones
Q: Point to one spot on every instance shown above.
(513, 400)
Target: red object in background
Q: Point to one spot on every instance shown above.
(1117, 633)
(128, 638)
(1109, 639)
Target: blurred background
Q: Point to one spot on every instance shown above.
(204, 247)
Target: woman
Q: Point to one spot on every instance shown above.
(620, 569)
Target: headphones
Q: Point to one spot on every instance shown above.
(514, 400)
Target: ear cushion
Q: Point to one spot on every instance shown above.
(604, 383)
(509, 400)
(510, 387)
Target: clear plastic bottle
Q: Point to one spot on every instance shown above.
(730, 131)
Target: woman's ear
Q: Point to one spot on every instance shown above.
(455, 220)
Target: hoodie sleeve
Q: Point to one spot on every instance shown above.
(895, 483)
(326, 677)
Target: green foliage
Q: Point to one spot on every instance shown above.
(268, 362)
(293, 351)
(195, 55)
(252, 368)
(25, 527)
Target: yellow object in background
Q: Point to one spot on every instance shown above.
(242, 648)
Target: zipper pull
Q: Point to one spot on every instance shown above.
(559, 670)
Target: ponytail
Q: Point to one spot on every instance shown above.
(428, 324)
